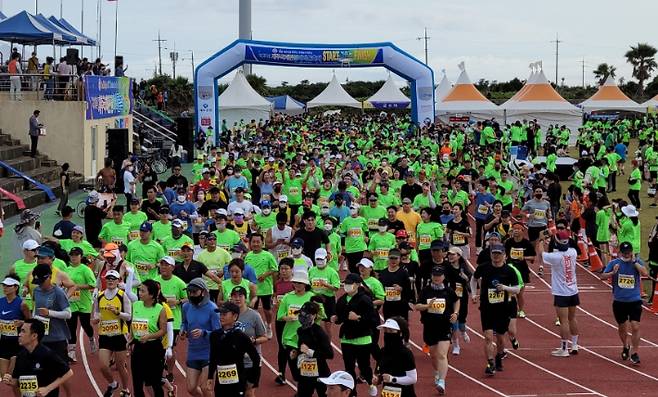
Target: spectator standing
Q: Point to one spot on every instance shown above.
(15, 71)
(34, 132)
(64, 184)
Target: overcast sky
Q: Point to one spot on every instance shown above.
(496, 39)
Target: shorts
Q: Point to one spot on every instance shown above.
(533, 232)
(60, 348)
(625, 311)
(213, 294)
(267, 302)
(566, 301)
(513, 308)
(329, 305)
(198, 365)
(9, 347)
(437, 333)
(115, 343)
(495, 319)
(251, 374)
(522, 267)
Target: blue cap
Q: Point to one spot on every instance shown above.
(146, 227)
(297, 242)
(265, 203)
(45, 251)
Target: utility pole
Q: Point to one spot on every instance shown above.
(160, 41)
(425, 38)
(192, 58)
(583, 65)
(557, 42)
(173, 55)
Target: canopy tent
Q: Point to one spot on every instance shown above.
(443, 89)
(66, 25)
(465, 100)
(333, 95)
(2, 16)
(286, 104)
(651, 103)
(610, 97)
(388, 96)
(67, 36)
(537, 99)
(24, 28)
(241, 102)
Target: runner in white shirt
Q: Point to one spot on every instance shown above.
(564, 288)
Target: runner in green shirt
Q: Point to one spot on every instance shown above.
(289, 309)
(80, 298)
(116, 231)
(355, 229)
(162, 228)
(76, 240)
(145, 253)
(325, 281)
(134, 218)
(372, 212)
(380, 243)
(374, 285)
(172, 245)
(266, 219)
(226, 238)
(335, 246)
(266, 267)
(214, 258)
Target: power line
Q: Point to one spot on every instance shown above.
(160, 41)
(557, 42)
(425, 38)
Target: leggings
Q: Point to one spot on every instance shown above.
(353, 259)
(307, 385)
(357, 354)
(479, 228)
(282, 359)
(84, 323)
(292, 363)
(634, 196)
(147, 362)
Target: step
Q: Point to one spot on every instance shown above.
(23, 163)
(17, 184)
(34, 197)
(7, 140)
(8, 152)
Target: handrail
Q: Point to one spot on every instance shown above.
(160, 133)
(46, 189)
(146, 120)
(156, 111)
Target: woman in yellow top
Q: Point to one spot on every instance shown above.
(111, 311)
(148, 327)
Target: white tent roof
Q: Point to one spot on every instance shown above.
(389, 93)
(464, 97)
(610, 97)
(443, 88)
(240, 95)
(653, 102)
(538, 95)
(333, 95)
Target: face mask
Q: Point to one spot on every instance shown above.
(181, 199)
(349, 288)
(221, 226)
(195, 299)
(131, 168)
(321, 263)
(353, 211)
(266, 211)
(382, 228)
(446, 212)
(305, 319)
(230, 172)
(328, 227)
(236, 255)
(324, 211)
(238, 174)
(282, 205)
(296, 251)
(392, 340)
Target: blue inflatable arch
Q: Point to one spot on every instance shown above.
(240, 52)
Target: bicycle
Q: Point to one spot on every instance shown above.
(80, 207)
(157, 163)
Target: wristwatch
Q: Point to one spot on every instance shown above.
(394, 380)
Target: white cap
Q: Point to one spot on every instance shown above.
(270, 159)
(283, 198)
(320, 253)
(341, 378)
(390, 324)
(30, 245)
(10, 281)
(169, 260)
(222, 211)
(114, 274)
(238, 211)
(177, 223)
(365, 262)
(630, 211)
(355, 206)
(300, 277)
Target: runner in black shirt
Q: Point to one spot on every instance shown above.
(37, 369)
(190, 269)
(520, 250)
(151, 206)
(458, 277)
(393, 224)
(396, 371)
(313, 237)
(397, 287)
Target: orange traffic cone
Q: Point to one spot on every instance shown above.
(595, 264)
(582, 252)
(654, 302)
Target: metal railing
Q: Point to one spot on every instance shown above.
(42, 87)
(156, 129)
(159, 113)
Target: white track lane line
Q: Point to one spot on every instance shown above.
(90, 375)
(574, 383)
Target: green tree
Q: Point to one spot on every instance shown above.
(642, 57)
(603, 71)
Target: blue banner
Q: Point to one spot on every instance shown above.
(314, 57)
(108, 97)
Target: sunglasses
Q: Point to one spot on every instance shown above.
(111, 279)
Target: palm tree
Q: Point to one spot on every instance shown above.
(643, 61)
(603, 71)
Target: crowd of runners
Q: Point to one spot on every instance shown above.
(306, 227)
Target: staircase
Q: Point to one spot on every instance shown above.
(157, 128)
(39, 168)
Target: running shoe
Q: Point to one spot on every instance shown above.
(560, 353)
(503, 355)
(280, 380)
(490, 370)
(268, 331)
(521, 314)
(456, 350)
(441, 386)
(540, 272)
(557, 322)
(625, 352)
(124, 393)
(170, 377)
(173, 392)
(372, 391)
(93, 346)
(467, 339)
(574, 350)
(515, 343)
(72, 356)
(635, 359)
(110, 390)
(499, 362)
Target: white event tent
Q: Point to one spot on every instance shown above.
(610, 97)
(443, 88)
(465, 100)
(388, 96)
(333, 95)
(241, 102)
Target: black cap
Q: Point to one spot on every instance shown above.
(625, 246)
(40, 273)
(394, 252)
(438, 271)
(134, 200)
(382, 222)
(353, 278)
(438, 245)
(239, 189)
(75, 251)
(229, 307)
(239, 290)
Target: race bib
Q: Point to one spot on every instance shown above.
(8, 328)
(316, 283)
(140, 327)
(282, 254)
(459, 290)
(355, 232)
(118, 240)
(143, 267)
(436, 306)
(516, 253)
(309, 367)
(540, 214)
(458, 239)
(224, 246)
(381, 254)
(293, 191)
(175, 253)
(625, 281)
(393, 295)
(134, 235)
(390, 391)
(227, 374)
(425, 239)
(75, 297)
(46, 323)
(28, 385)
(109, 328)
(495, 296)
(373, 224)
(293, 311)
(483, 209)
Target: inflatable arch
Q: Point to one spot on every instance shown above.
(386, 55)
